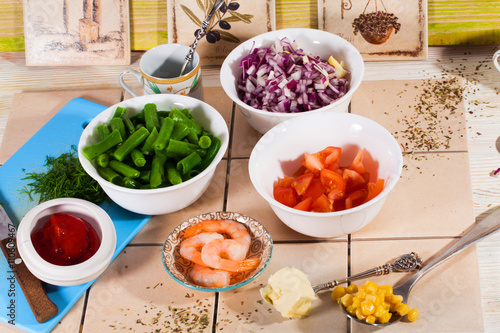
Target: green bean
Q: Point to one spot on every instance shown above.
(176, 148)
(102, 160)
(182, 117)
(163, 113)
(144, 176)
(102, 131)
(211, 153)
(138, 117)
(180, 131)
(92, 151)
(151, 116)
(120, 110)
(138, 158)
(164, 135)
(128, 123)
(173, 175)
(147, 147)
(131, 182)
(134, 140)
(188, 163)
(157, 171)
(110, 175)
(124, 169)
(204, 142)
(117, 123)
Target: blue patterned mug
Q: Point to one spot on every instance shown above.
(159, 72)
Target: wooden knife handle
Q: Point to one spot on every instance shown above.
(41, 305)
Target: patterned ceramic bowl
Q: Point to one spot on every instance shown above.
(178, 267)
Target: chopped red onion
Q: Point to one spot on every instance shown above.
(286, 79)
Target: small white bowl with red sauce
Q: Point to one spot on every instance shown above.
(66, 241)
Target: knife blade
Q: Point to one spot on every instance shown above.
(41, 305)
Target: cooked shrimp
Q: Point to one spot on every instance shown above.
(233, 229)
(214, 255)
(190, 248)
(209, 277)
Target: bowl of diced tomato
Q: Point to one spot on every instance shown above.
(326, 174)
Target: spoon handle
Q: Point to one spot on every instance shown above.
(405, 263)
(479, 231)
(204, 25)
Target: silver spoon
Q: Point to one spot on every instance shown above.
(204, 26)
(479, 231)
(406, 263)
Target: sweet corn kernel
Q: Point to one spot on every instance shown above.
(352, 288)
(338, 292)
(347, 300)
(384, 319)
(367, 307)
(379, 311)
(413, 315)
(387, 288)
(372, 303)
(402, 309)
(359, 314)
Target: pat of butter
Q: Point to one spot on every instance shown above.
(290, 292)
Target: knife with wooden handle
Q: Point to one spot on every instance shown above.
(41, 305)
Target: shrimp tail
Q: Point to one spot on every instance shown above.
(193, 230)
(248, 264)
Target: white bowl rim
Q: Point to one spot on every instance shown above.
(220, 154)
(353, 210)
(78, 273)
(226, 69)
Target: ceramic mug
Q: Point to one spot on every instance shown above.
(496, 59)
(159, 72)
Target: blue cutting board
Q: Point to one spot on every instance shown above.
(56, 137)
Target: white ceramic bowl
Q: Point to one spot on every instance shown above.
(73, 274)
(279, 151)
(166, 199)
(316, 42)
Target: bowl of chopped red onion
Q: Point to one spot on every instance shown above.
(285, 73)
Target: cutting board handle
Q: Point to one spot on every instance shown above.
(41, 305)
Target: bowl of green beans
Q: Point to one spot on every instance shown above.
(154, 154)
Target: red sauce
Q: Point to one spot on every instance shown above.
(66, 240)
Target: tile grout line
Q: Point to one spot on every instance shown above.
(224, 204)
(84, 310)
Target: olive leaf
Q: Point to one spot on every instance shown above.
(191, 15)
(246, 18)
(228, 37)
(201, 5)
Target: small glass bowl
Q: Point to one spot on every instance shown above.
(178, 267)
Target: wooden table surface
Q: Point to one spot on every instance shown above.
(482, 106)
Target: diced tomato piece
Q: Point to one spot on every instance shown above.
(356, 198)
(304, 204)
(374, 189)
(322, 204)
(300, 171)
(353, 180)
(332, 160)
(285, 181)
(315, 189)
(366, 176)
(301, 183)
(334, 184)
(357, 164)
(285, 195)
(314, 162)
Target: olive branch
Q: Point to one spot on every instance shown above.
(223, 18)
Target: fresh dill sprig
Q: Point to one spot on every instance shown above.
(64, 178)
